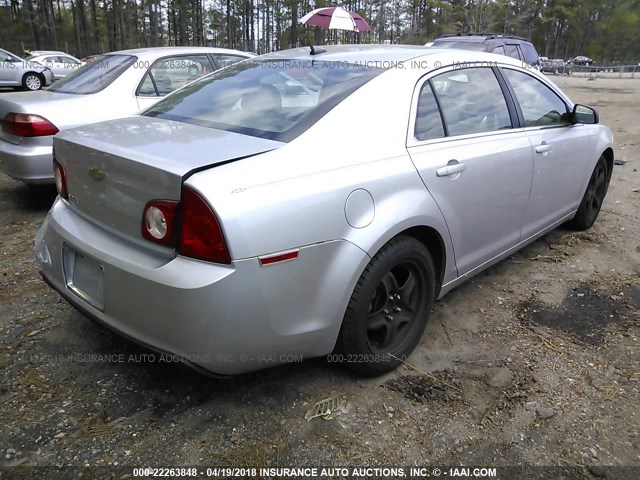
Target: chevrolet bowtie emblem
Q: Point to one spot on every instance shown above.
(96, 174)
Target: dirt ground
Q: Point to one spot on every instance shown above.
(533, 362)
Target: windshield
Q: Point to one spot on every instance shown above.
(94, 76)
(274, 99)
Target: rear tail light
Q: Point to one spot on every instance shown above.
(28, 125)
(190, 226)
(60, 178)
(200, 233)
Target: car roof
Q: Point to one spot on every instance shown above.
(47, 52)
(352, 53)
(154, 52)
(360, 54)
(480, 38)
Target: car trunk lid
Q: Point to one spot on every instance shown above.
(114, 168)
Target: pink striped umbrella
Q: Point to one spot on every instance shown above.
(336, 17)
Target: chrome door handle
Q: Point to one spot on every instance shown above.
(451, 169)
(543, 148)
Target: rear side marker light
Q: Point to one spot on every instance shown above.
(279, 258)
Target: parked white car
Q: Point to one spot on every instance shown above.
(115, 85)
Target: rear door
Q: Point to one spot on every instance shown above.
(476, 166)
(561, 151)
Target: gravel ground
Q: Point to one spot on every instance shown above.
(533, 362)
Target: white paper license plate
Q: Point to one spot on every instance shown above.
(84, 277)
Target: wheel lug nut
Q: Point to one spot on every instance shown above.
(386, 310)
(397, 309)
(388, 317)
(397, 297)
(390, 297)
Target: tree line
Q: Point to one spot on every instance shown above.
(606, 30)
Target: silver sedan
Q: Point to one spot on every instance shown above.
(60, 63)
(115, 85)
(297, 205)
(26, 74)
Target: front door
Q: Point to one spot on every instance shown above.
(560, 150)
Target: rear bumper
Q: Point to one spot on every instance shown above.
(27, 163)
(87, 312)
(224, 319)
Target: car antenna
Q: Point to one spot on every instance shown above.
(314, 51)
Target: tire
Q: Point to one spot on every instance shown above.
(389, 308)
(593, 197)
(32, 82)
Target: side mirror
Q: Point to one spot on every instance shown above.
(584, 114)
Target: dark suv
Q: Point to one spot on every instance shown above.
(516, 47)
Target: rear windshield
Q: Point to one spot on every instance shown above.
(94, 76)
(274, 99)
(477, 46)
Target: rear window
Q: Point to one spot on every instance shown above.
(476, 46)
(274, 99)
(94, 76)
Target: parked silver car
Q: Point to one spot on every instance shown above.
(21, 73)
(60, 63)
(237, 232)
(115, 85)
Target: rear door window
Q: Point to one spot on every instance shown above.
(223, 60)
(512, 51)
(499, 50)
(69, 61)
(428, 120)
(171, 73)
